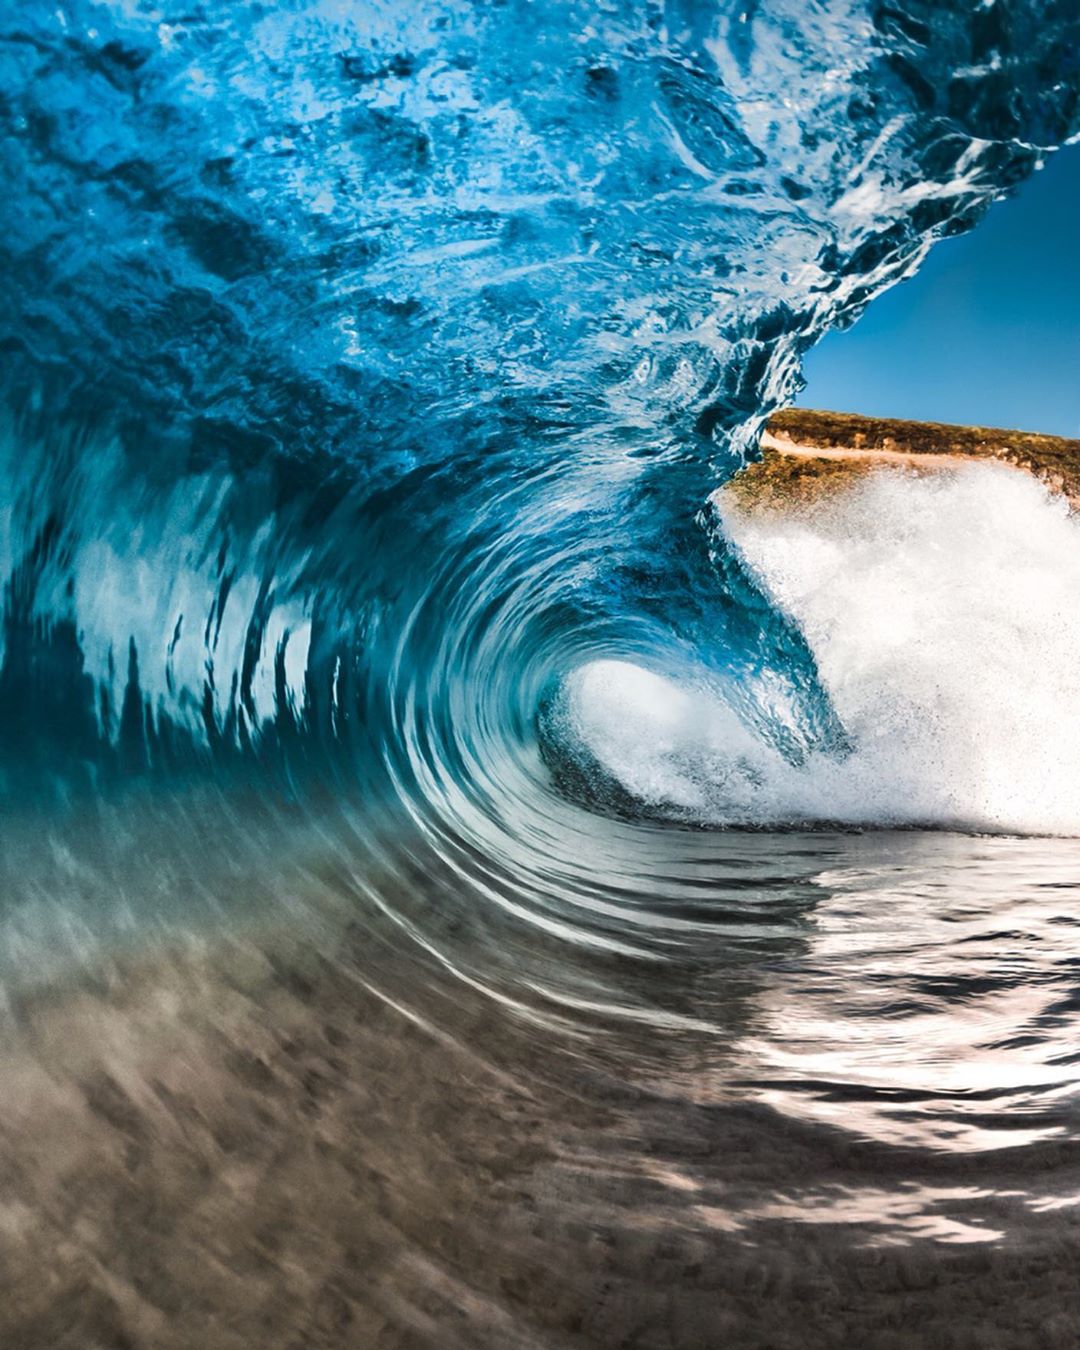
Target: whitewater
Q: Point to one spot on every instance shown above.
(940, 613)
(464, 881)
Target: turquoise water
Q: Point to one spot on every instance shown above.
(607, 908)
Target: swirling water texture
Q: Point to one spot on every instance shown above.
(368, 373)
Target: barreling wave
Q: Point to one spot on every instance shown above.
(383, 672)
(368, 376)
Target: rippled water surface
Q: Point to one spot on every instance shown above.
(465, 881)
(805, 1085)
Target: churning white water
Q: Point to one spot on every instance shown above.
(944, 615)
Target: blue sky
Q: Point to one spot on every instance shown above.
(988, 331)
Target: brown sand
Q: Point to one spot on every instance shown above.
(253, 1149)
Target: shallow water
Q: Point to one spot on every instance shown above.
(451, 891)
(818, 1089)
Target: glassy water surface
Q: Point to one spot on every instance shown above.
(462, 883)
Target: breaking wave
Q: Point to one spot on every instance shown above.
(368, 377)
(940, 614)
(381, 661)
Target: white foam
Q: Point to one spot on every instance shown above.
(944, 614)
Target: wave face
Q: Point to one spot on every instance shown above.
(369, 375)
(368, 372)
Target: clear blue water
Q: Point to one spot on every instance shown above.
(369, 371)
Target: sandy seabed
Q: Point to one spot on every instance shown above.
(255, 1148)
